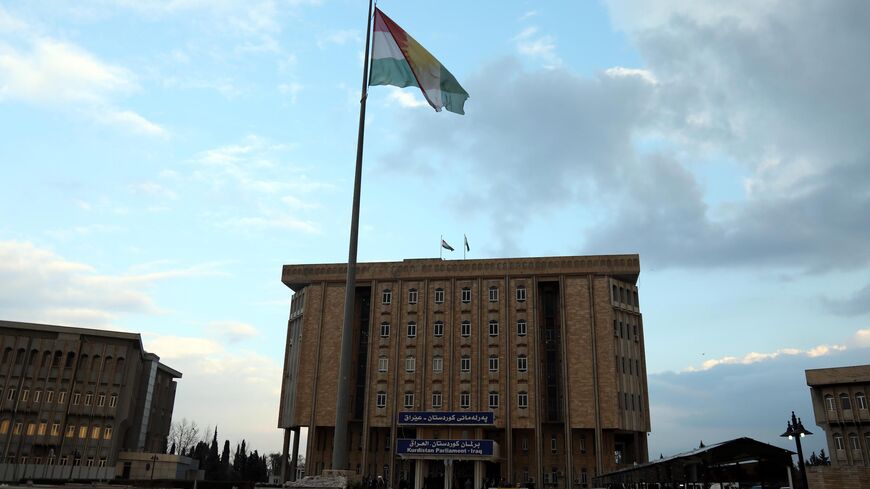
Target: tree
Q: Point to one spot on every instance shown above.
(274, 463)
(172, 449)
(813, 460)
(823, 458)
(225, 460)
(183, 434)
(213, 461)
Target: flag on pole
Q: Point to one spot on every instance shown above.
(399, 60)
(467, 248)
(445, 245)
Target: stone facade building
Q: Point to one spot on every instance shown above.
(71, 399)
(840, 404)
(502, 370)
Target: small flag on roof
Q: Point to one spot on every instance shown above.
(445, 245)
(399, 60)
(467, 248)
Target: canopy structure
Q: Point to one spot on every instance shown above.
(742, 460)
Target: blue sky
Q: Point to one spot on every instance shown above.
(162, 160)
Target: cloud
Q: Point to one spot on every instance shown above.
(755, 357)
(406, 99)
(233, 331)
(530, 43)
(862, 337)
(43, 71)
(271, 222)
(856, 305)
(37, 285)
(292, 89)
(339, 38)
(767, 91)
(236, 384)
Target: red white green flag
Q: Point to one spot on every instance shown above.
(399, 60)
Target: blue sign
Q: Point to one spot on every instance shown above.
(441, 418)
(405, 446)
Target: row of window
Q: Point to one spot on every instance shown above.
(64, 460)
(42, 429)
(61, 397)
(630, 402)
(633, 366)
(57, 357)
(840, 444)
(465, 295)
(464, 328)
(846, 402)
(464, 400)
(464, 363)
(625, 330)
(624, 295)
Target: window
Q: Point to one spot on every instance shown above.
(829, 402)
(49, 396)
(31, 429)
(583, 477)
(524, 444)
(409, 399)
(465, 400)
(521, 327)
(522, 363)
(465, 363)
(42, 427)
(493, 294)
(493, 363)
(634, 327)
(521, 293)
(465, 328)
(582, 443)
(95, 432)
(107, 433)
(70, 430)
(386, 296)
(64, 460)
(113, 401)
(61, 397)
(615, 329)
(101, 400)
(381, 399)
(88, 398)
(614, 293)
(439, 296)
(553, 444)
(523, 400)
(861, 401)
(4, 427)
(412, 296)
(55, 429)
(383, 363)
(36, 395)
(75, 399)
(17, 429)
(410, 364)
(438, 329)
(385, 330)
(466, 295)
(25, 393)
(102, 461)
(412, 329)
(493, 399)
(853, 441)
(845, 402)
(437, 364)
(493, 328)
(83, 431)
(436, 399)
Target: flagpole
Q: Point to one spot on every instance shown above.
(441, 248)
(339, 439)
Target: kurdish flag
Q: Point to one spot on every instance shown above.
(399, 60)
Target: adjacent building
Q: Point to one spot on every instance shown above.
(840, 404)
(71, 399)
(501, 370)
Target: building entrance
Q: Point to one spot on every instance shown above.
(463, 474)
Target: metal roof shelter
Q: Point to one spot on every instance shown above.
(742, 460)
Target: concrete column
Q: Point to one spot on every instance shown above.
(285, 448)
(294, 456)
(478, 474)
(418, 473)
(448, 474)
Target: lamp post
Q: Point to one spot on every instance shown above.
(153, 463)
(796, 431)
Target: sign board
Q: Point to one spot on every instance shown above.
(480, 448)
(418, 418)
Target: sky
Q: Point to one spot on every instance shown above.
(161, 160)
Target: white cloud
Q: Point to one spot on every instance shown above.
(37, 285)
(339, 38)
(233, 331)
(405, 98)
(532, 44)
(528, 15)
(58, 74)
(862, 337)
(755, 357)
(271, 222)
(622, 72)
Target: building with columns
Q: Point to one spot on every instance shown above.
(526, 370)
(72, 399)
(840, 406)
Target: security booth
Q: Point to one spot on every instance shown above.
(459, 460)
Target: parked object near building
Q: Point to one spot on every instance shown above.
(71, 399)
(160, 466)
(527, 370)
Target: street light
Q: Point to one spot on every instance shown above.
(796, 431)
(153, 463)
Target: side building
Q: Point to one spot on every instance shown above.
(527, 370)
(840, 405)
(72, 399)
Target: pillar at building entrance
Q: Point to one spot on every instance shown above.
(478, 474)
(418, 473)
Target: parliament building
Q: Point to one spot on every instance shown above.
(472, 372)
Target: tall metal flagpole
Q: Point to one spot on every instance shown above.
(339, 439)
